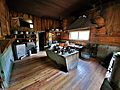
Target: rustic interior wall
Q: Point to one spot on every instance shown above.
(110, 34)
(67, 21)
(15, 16)
(40, 23)
(65, 35)
(108, 37)
(65, 24)
(4, 19)
(46, 23)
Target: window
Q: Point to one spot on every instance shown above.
(31, 25)
(79, 35)
(84, 35)
(73, 35)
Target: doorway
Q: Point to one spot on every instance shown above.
(41, 40)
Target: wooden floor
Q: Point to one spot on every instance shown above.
(38, 73)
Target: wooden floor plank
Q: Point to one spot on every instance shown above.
(39, 73)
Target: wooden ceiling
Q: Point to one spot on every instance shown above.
(53, 8)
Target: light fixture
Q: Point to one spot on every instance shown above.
(84, 16)
(57, 29)
(29, 21)
(52, 29)
(31, 25)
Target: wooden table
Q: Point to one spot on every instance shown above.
(77, 47)
(71, 59)
(66, 61)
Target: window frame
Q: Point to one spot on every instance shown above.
(78, 34)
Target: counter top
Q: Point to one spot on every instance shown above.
(4, 44)
(76, 46)
(68, 54)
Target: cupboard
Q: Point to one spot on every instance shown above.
(6, 63)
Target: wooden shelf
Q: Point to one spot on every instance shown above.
(56, 31)
(26, 38)
(16, 43)
(24, 35)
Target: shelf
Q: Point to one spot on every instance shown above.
(24, 34)
(24, 29)
(26, 38)
(29, 34)
(56, 31)
(23, 42)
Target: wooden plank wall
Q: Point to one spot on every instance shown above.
(40, 23)
(4, 19)
(14, 14)
(46, 23)
(110, 34)
(65, 24)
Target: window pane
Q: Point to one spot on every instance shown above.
(84, 35)
(73, 35)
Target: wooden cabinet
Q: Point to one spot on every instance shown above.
(6, 63)
(71, 59)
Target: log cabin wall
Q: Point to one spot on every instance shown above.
(14, 14)
(107, 35)
(65, 34)
(37, 23)
(4, 19)
(65, 24)
(15, 23)
(110, 34)
(67, 21)
(46, 23)
(40, 23)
